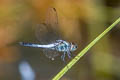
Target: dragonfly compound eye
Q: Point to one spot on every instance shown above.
(73, 47)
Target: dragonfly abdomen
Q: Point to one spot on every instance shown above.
(26, 44)
(36, 45)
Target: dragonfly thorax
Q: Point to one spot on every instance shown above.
(64, 46)
(61, 46)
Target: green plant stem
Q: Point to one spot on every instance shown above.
(73, 61)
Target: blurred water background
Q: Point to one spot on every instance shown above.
(80, 22)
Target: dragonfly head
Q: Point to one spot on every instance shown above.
(73, 47)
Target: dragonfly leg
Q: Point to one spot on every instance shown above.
(69, 54)
(63, 57)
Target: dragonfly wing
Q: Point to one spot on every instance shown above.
(46, 34)
(52, 18)
(49, 32)
(51, 54)
(41, 32)
(52, 21)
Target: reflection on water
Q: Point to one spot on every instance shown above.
(26, 71)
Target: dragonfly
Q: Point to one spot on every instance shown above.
(50, 39)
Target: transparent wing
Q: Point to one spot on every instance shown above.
(49, 32)
(52, 18)
(45, 34)
(51, 54)
(41, 33)
(52, 21)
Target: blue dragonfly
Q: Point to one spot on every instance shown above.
(50, 40)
